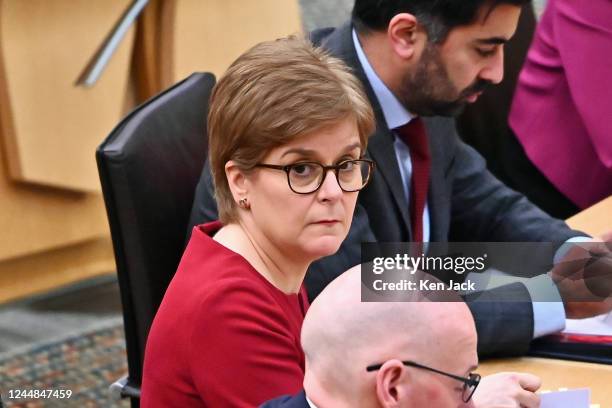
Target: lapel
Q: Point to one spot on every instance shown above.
(436, 180)
(380, 145)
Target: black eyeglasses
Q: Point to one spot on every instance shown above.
(469, 384)
(307, 177)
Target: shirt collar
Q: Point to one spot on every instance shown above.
(310, 403)
(395, 113)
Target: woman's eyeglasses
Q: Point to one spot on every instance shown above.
(469, 384)
(308, 177)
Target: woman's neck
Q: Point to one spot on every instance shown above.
(285, 273)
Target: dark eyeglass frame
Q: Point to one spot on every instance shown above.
(472, 381)
(335, 167)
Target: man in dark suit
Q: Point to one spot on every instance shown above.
(423, 59)
(389, 354)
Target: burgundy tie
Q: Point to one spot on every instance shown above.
(414, 135)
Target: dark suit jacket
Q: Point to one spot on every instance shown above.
(287, 401)
(466, 203)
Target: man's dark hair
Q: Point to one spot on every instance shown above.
(438, 17)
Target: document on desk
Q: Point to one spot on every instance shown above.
(595, 326)
(579, 398)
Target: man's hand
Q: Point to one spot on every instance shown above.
(584, 279)
(507, 390)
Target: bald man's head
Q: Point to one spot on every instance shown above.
(341, 336)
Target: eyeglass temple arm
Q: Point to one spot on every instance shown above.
(469, 381)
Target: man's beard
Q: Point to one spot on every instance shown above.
(428, 91)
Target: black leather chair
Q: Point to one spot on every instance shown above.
(149, 166)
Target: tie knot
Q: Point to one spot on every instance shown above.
(414, 135)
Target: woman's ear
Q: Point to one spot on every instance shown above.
(237, 181)
(405, 36)
(392, 383)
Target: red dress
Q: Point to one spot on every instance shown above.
(223, 336)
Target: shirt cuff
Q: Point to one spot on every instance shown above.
(567, 245)
(549, 316)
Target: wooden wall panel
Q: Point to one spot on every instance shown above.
(34, 218)
(52, 221)
(53, 224)
(209, 35)
(49, 270)
(50, 126)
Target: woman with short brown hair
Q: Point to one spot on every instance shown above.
(288, 128)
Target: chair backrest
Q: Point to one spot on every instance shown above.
(149, 166)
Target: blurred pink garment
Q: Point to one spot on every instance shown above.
(562, 107)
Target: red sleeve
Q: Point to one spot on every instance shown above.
(583, 35)
(242, 350)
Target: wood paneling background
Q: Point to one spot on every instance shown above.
(53, 226)
(52, 126)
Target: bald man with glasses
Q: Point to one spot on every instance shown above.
(409, 353)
